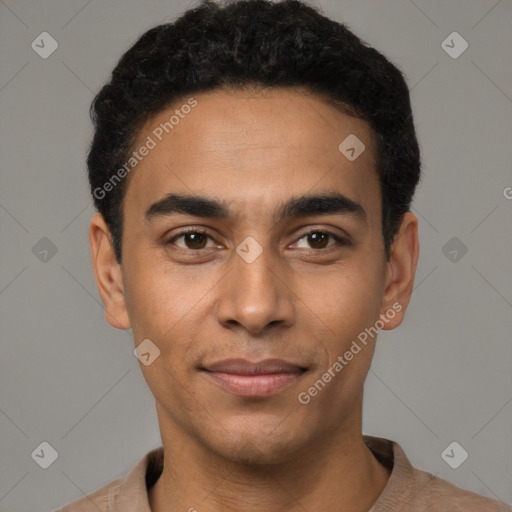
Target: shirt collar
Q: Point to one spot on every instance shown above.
(131, 494)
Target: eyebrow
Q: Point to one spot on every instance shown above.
(199, 206)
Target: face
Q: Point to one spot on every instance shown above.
(253, 259)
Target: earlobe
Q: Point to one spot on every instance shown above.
(107, 273)
(401, 270)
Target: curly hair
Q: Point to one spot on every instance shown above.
(262, 43)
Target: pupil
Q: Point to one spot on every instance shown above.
(314, 239)
(194, 239)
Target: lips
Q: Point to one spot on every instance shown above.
(253, 379)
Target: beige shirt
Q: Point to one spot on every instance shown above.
(408, 489)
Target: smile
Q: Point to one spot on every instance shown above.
(258, 379)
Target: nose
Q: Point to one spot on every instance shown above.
(255, 295)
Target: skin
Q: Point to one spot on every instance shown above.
(297, 301)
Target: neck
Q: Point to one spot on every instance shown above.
(340, 474)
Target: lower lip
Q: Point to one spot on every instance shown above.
(254, 385)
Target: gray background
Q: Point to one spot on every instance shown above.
(68, 378)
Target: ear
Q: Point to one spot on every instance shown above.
(401, 269)
(107, 272)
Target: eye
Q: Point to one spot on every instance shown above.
(319, 239)
(193, 239)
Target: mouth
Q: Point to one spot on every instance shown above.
(253, 379)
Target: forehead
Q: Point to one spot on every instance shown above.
(253, 148)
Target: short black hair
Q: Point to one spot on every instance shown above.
(246, 43)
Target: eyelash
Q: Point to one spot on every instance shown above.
(340, 240)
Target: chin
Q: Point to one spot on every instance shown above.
(258, 444)
(254, 453)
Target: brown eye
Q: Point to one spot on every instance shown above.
(193, 240)
(320, 240)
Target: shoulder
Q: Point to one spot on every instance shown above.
(99, 499)
(125, 494)
(440, 495)
(413, 490)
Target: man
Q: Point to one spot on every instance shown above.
(253, 167)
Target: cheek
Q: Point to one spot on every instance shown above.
(349, 307)
(161, 311)
(170, 308)
(345, 299)
(160, 297)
